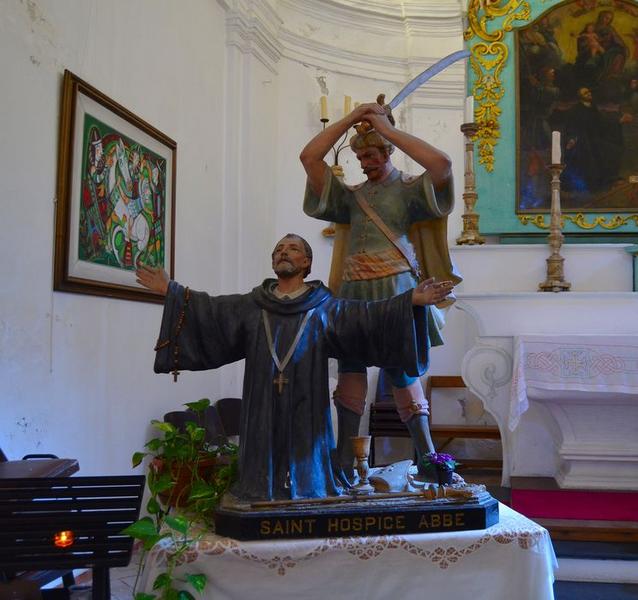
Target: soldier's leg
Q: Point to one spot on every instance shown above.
(350, 400)
(413, 410)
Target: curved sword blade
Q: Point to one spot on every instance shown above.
(430, 72)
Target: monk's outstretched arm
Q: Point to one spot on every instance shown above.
(153, 278)
(430, 292)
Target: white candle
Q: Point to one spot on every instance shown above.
(324, 107)
(469, 110)
(556, 148)
(347, 105)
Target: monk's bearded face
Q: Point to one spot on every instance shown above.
(289, 258)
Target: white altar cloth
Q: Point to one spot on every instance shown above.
(590, 364)
(513, 559)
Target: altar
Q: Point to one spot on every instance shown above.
(565, 398)
(514, 558)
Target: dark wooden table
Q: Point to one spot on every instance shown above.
(39, 467)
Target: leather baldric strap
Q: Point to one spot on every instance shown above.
(405, 250)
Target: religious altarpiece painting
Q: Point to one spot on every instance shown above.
(543, 66)
(116, 196)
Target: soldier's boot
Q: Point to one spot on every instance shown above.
(350, 399)
(413, 410)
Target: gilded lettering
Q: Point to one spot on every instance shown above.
(264, 528)
(296, 526)
(309, 524)
(333, 525)
(278, 528)
(447, 520)
(459, 519)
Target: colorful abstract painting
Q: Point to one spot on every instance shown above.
(122, 209)
(116, 197)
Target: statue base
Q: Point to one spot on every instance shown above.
(376, 514)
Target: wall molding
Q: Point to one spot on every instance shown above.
(378, 15)
(271, 30)
(252, 26)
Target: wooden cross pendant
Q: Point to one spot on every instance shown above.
(280, 381)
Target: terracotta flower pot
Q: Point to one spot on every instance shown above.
(182, 474)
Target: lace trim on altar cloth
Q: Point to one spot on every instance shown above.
(512, 529)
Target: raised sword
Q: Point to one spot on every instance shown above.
(430, 72)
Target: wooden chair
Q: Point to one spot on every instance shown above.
(211, 422)
(452, 431)
(385, 422)
(39, 465)
(67, 523)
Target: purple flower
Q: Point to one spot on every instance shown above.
(440, 460)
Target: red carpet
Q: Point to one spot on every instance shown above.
(576, 504)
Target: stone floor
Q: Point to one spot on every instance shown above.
(122, 580)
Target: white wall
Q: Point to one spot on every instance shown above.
(76, 371)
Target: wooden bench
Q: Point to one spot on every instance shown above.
(65, 523)
(385, 422)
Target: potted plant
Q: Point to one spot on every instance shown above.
(186, 478)
(440, 467)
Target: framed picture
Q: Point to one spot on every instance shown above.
(115, 196)
(577, 74)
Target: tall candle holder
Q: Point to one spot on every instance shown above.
(555, 280)
(470, 234)
(337, 169)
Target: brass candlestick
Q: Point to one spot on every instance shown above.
(470, 234)
(555, 280)
(361, 448)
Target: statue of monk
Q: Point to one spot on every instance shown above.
(286, 329)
